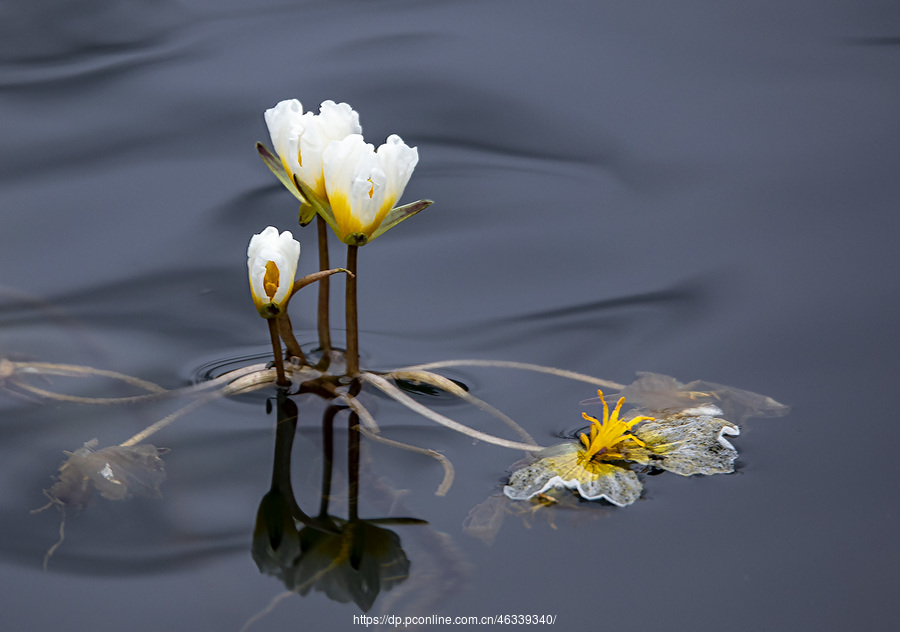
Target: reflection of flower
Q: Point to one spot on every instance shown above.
(601, 465)
(363, 184)
(276, 543)
(354, 564)
(272, 261)
(352, 561)
(300, 139)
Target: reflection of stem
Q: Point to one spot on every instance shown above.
(281, 380)
(353, 466)
(327, 457)
(352, 326)
(324, 288)
(285, 430)
(286, 331)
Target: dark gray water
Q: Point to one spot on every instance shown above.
(701, 191)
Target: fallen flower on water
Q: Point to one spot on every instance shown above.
(602, 465)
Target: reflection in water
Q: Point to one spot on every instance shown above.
(350, 559)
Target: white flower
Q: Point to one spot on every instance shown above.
(272, 262)
(300, 139)
(363, 184)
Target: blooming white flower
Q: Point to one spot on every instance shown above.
(363, 184)
(272, 262)
(300, 139)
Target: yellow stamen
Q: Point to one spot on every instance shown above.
(608, 437)
(270, 281)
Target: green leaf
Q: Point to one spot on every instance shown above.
(398, 214)
(307, 214)
(274, 164)
(315, 206)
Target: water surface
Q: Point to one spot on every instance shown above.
(699, 191)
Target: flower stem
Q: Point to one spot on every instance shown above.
(324, 288)
(352, 325)
(281, 380)
(286, 331)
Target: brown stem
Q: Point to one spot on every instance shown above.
(286, 331)
(281, 380)
(352, 325)
(311, 278)
(324, 288)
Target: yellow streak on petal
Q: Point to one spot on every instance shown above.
(270, 281)
(347, 224)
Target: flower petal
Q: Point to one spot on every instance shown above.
(362, 185)
(689, 445)
(268, 247)
(286, 123)
(335, 121)
(354, 182)
(398, 161)
(560, 466)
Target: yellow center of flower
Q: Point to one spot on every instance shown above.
(270, 281)
(609, 437)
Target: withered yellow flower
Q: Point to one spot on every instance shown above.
(609, 438)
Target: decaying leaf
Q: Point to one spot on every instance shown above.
(655, 393)
(116, 472)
